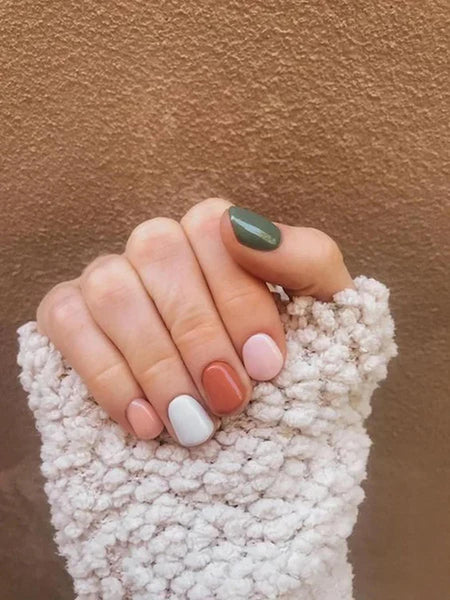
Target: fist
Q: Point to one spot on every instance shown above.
(173, 332)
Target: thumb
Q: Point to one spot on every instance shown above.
(304, 260)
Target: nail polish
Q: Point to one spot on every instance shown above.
(262, 357)
(225, 392)
(143, 420)
(253, 230)
(191, 422)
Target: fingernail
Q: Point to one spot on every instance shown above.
(253, 230)
(225, 392)
(143, 420)
(190, 421)
(262, 357)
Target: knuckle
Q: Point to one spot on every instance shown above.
(103, 261)
(194, 327)
(204, 215)
(328, 254)
(103, 280)
(64, 307)
(164, 366)
(153, 239)
(102, 380)
(234, 300)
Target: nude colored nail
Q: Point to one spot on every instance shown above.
(262, 357)
(191, 422)
(143, 420)
(225, 392)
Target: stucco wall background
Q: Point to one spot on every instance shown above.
(329, 114)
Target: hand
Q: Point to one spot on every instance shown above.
(169, 333)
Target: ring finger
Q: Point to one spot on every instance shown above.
(121, 307)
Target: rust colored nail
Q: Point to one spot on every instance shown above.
(224, 390)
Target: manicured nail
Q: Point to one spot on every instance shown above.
(262, 357)
(190, 421)
(253, 230)
(143, 420)
(225, 392)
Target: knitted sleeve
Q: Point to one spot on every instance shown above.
(261, 511)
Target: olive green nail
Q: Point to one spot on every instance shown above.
(253, 230)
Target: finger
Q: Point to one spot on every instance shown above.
(161, 254)
(304, 260)
(123, 310)
(244, 302)
(64, 317)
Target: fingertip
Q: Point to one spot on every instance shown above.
(143, 419)
(226, 392)
(226, 230)
(262, 357)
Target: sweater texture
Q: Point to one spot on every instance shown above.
(260, 512)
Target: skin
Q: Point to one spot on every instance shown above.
(145, 323)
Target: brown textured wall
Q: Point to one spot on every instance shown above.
(331, 114)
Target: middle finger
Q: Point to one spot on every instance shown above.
(161, 254)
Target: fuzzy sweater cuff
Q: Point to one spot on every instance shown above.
(260, 512)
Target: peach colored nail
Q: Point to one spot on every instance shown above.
(262, 357)
(143, 419)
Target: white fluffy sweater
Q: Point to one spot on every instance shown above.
(262, 511)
